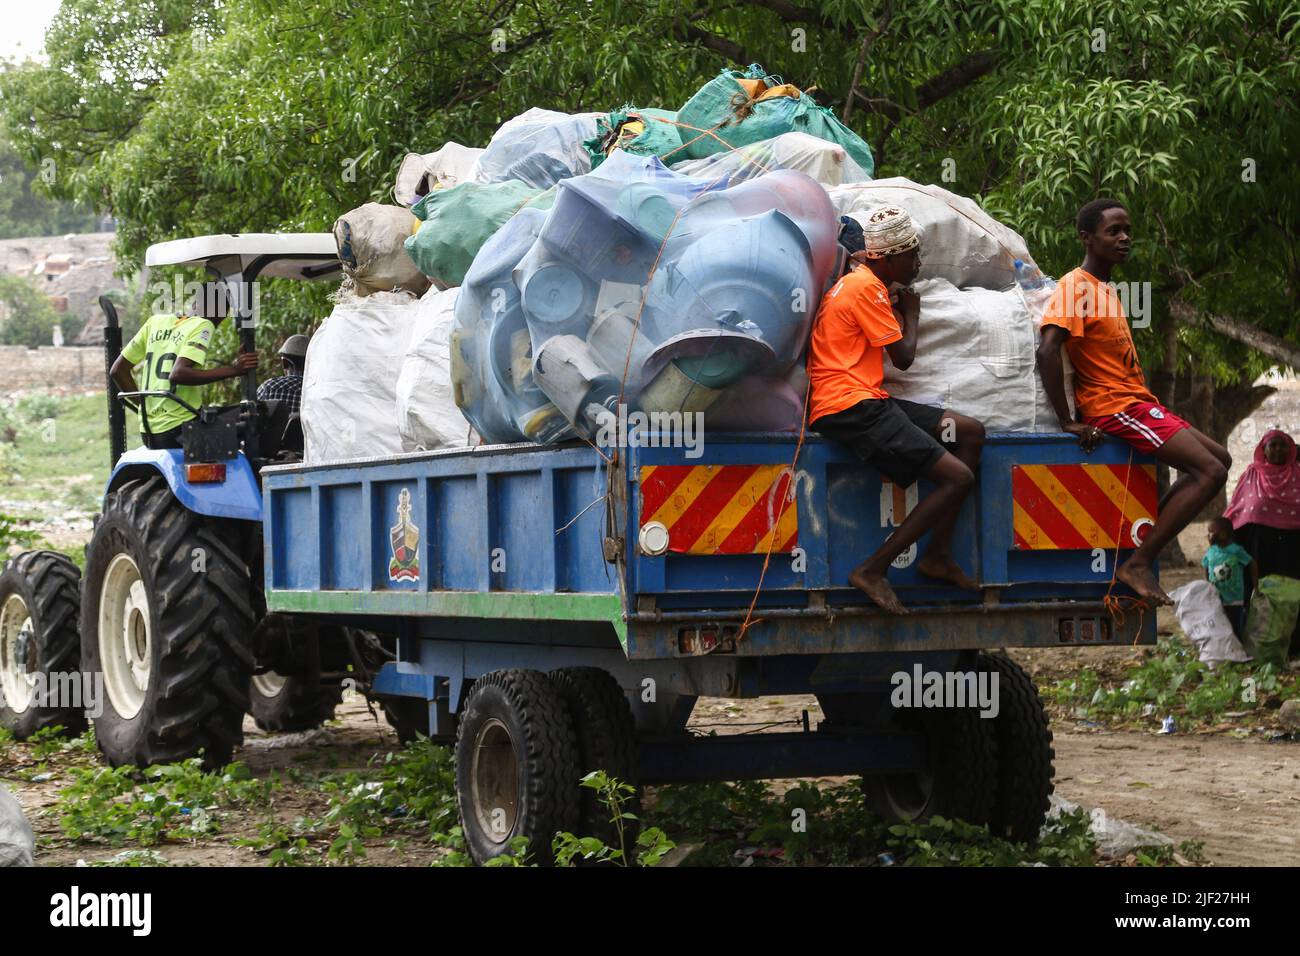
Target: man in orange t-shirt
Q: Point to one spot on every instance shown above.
(1086, 317)
(856, 325)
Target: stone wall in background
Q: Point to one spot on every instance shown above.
(70, 369)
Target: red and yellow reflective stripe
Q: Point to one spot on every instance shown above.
(1063, 507)
(721, 509)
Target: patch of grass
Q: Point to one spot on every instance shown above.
(1171, 680)
(169, 802)
(410, 790)
(59, 453)
(832, 826)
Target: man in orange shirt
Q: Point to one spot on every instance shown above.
(855, 326)
(1085, 316)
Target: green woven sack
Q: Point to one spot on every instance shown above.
(660, 137)
(1273, 610)
(457, 221)
(720, 116)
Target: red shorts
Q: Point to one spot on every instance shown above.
(1144, 425)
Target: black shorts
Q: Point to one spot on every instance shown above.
(895, 436)
(167, 439)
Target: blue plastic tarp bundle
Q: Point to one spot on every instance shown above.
(643, 287)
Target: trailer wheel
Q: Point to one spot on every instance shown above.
(1025, 753)
(39, 598)
(516, 765)
(167, 618)
(602, 719)
(961, 781)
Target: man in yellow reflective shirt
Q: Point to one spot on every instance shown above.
(174, 350)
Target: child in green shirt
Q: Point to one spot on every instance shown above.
(1225, 565)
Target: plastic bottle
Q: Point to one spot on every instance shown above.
(1028, 277)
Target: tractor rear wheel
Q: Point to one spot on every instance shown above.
(167, 618)
(295, 699)
(39, 645)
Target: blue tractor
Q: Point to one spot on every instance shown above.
(171, 609)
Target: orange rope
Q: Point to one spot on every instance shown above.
(785, 500)
(1114, 604)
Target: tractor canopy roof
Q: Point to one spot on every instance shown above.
(254, 255)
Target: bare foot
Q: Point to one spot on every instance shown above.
(1141, 580)
(946, 569)
(876, 587)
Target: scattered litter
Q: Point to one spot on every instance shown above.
(17, 842)
(42, 777)
(886, 859)
(317, 735)
(1115, 838)
(1167, 726)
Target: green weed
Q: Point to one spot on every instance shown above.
(1173, 681)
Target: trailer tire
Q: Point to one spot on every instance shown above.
(1025, 753)
(39, 604)
(172, 638)
(962, 780)
(606, 731)
(516, 765)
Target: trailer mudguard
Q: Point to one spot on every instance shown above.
(237, 497)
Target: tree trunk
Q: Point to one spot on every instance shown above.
(1216, 411)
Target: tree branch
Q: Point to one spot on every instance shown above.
(1264, 342)
(943, 84)
(711, 41)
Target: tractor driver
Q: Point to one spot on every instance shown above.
(174, 351)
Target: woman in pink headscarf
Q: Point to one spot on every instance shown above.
(1265, 508)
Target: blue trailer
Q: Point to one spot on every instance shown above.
(553, 610)
(633, 581)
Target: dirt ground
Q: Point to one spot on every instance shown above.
(1240, 798)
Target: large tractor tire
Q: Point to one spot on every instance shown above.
(961, 779)
(287, 703)
(167, 618)
(297, 700)
(40, 650)
(1025, 753)
(516, 765)
(602, 719)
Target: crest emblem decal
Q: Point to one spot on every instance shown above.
(404, 539)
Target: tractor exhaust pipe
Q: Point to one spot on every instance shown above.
(112, 349)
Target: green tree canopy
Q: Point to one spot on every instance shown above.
(184, 118)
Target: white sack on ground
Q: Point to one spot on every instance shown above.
(538, 148)
(17, 843)
(349, 388)
(828, 163)
(975, 355)
(372, 247)
(960, 241)
(1200, 615)
(420, 174)
(427, 416)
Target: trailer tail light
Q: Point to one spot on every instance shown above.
(204, 472)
